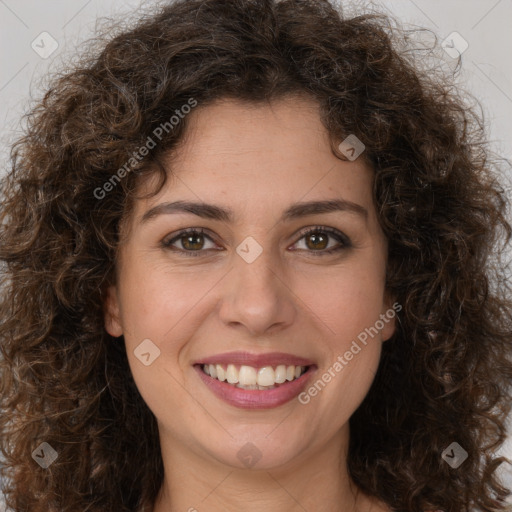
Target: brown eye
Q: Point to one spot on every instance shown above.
(317, 241)
(189, 242)
(192, 241)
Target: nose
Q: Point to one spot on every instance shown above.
(256, 295)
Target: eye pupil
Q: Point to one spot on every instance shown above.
(192, 239)
(316, 238)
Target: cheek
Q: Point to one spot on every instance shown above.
(349, 302)
(342, 386)
(347, 299)
(160, 304)
(167, 307)
(164, 307)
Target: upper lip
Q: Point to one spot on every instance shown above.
(255, 360)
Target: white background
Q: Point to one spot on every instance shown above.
(484, 24)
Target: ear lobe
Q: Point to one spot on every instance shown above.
(389, 318)
(389, 329)
(111, 312)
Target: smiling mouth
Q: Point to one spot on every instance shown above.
(251, 378)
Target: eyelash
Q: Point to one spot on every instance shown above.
(334, 233)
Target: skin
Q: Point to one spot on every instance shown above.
(256, 160)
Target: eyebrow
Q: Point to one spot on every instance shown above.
(295, 211)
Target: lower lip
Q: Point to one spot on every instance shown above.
(256, 398)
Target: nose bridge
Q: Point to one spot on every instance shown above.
(257, 296)
(254, 268)
(258, 272)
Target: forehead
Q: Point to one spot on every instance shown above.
(259, 156)
(242, 129)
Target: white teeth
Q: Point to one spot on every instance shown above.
(221, 373)
(248, 377)
(280, 374)
(232, 374)
(266, 376)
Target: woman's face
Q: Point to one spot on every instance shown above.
(253, 283)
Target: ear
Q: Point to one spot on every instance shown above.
(390, 311)
(111, 312)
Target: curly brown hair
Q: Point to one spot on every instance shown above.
(445, 374)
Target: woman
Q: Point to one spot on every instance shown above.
(252, 260)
